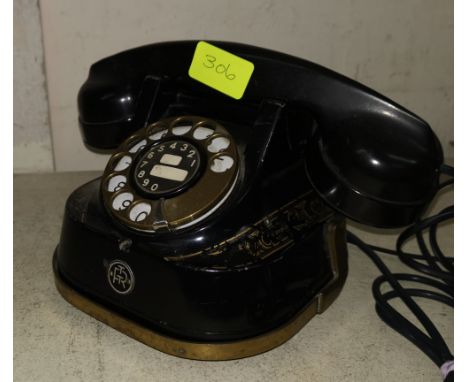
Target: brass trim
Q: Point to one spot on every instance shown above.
(180, 210)
(255, 228)
(224, 350)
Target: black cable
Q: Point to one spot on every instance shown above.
(438, 270)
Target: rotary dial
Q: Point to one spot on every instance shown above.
(171, 174)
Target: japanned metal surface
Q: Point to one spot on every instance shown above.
(244, 270)
(252, 284)
(370, 158)
(259, 260)
(335, 246)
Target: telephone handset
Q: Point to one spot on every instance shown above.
(217, 228)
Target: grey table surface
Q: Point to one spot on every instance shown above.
(53, 341)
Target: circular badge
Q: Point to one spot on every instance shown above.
(120, 277)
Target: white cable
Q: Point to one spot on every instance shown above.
(447, 367)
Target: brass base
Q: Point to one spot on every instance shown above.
(220, 351)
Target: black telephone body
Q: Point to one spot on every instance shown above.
(217, 230)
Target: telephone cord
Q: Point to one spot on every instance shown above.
(436, 270)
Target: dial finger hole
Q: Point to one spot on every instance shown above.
(158, 135)
(138, 146)
(122, 201)
(139, 212)
(218, 144)
(202, 132)
(123, 163)
(221, 164)
(116, 183)
(181, 129)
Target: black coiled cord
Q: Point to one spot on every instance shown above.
(436, 272)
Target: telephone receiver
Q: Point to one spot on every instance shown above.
(217, 229)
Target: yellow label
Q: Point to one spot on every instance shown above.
(220, 70)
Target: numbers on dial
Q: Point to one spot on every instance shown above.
(191, 154)
(163, 161)
(166, 167)
(139, 212)
(116, 183)
(122, 201)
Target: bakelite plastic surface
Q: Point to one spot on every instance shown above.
(308, 139)
(369, 158)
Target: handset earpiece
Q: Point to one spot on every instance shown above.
(378, 168)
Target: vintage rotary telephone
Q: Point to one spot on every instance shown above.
(217, 229)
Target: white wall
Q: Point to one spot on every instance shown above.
(403, 49)
(31, 135)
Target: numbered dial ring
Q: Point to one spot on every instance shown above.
(171, 174)
(167, 168)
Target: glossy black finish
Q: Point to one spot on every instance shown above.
(308, 138)
(370, 158)
(189, 302)
(234, 295)
(243, 290)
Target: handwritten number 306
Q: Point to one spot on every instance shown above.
(220, 68)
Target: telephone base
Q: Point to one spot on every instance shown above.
(202, 351)
(218, 351)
